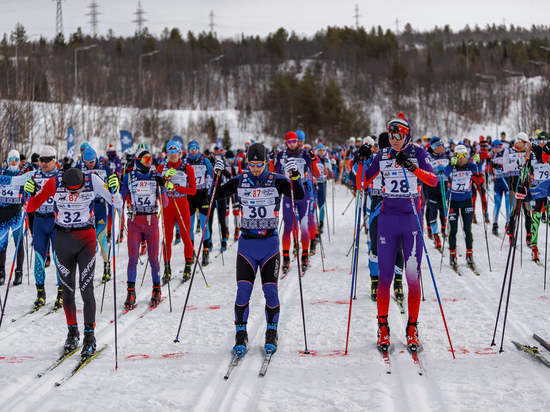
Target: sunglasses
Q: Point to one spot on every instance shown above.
(229, 159)
(256, 164)
(461, 155)
(292, 141)
(46, 159)
(396, 136)
(89, 162)
(172, 151)
(13, 159)
(437, 145)
(145, 159)
(193, 148)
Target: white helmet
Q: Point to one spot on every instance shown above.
(14, 153)
(352, 139)
(368, 140)
(460, 149)
(522, 136)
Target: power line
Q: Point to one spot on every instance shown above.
(93, 17)
(58, 19)
(139, 19)
(357, 16)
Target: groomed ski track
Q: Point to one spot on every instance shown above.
(156, 374)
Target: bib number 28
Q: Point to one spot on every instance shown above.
(399, 186)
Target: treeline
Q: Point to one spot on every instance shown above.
(329, 84)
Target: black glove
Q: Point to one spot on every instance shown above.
(272, 155)
(546, 148)
(403, 159)
(160, 180)
(497, 166)
(311, 154)
(365, 150)
(522, 190)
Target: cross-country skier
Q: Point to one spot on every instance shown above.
(501, 184)
(437, 195)
(260, 193)
(397, 222)
(74, 197)
(180, 183)
(234, 167)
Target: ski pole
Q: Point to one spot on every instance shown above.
(354, 268)
(448, 226)
(164, 246)
(351, 200)
(27, 250)
(315, 193)
(17, 243)
(114, 274)
(198, 254)
(220, 229)
(145, 271)
(326, 211)
(545, 244)
(428, 259)
(365, 197)
(485, 216)
(333, 210)
(298, 261)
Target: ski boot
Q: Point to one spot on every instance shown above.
(373, 288)
(208, 245)
(2, 276)
(236, 237)
(155, 297)
(177, 240)
(241, 340)
(398, 288)
(305, 262)
(528, 239)
(73, 337)
(511, 239)
(271, 338)
(48, 260)
(205, 254)
(120, 238)
(143, 248)
(106, 272)
(59, 299)
(18, 277)
(312, 247)
(383, 342)
(40, 297)
(470, 257)
(286, 261)
(452, 260)
(535, 253)
(430, 235)
(130, 302)
(187, 271)
(224, 244)
(412, 336)
(495, 229)
(167, 273)
(88, 344)
(437, 242)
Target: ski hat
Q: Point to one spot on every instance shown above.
(89, 154)
(461, 149)
(352, 139)
(73, 179)
(320, 146)
(257, 152)
(484, 145)
(368, 140)
(496, 144)
(83, 146)
(537, 132)
(359, 140)
(35, 157)
(140, 152)
(400, 125)
(301, 135)
(434, 142)
(111, 150)
(481, 138)
(46, 151)
(384, 140)
(289, 136)
(14, 153)
(543, 136)
(171, 145)
(229, 154)
(194, 144)
(502, 134)
(523, 137)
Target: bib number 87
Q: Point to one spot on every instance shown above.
(399, 186)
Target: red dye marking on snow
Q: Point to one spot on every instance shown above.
(191, 307)
(485, 351)
(323, 355)
(342, 302)
(321, 302)
(137, 357)
(214, 307)
(446, 300)
(544, 298)
(173, 355)
(79, 311)
(332, 269)
(17, 359)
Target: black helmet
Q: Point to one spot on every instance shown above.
(73, 179)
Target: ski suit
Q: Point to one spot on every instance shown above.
(501, 186)
(199, 201)
(539, 173)
(11, 201)
(437, 195)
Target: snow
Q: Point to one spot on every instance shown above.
(154, 373)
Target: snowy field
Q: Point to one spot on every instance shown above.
(155, 373)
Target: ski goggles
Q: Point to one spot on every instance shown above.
(436, 144)
(89, 162)
(292, 141)
(261, 164)
(396, 136)
(13, 159)
(193, 148)
(145, 159)
(172, 150)
(230, 159)
(46, 159)
(461, 155)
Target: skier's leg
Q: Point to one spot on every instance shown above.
(151, 234)
(467, 211)
(453, 223)
(134, 241)
(389, 232)
(86, 265)
(269, 269)
(411, 241)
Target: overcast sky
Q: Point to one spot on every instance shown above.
(261, 17)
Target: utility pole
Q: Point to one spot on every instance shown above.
(58, 19)
(93, 17)
(139, 19)
(211, 15)
(397, 27)
(357, 16)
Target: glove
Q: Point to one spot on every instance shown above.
(333, 162)
(272, 155)
(290, 167)
(440, 169)
(497, 166)
(160, 180)
(113, 182)
(219, 166)
(30, 187)
(403, 159)
(522, 192)
(311, 154)
(170, 185)
(546, 148)
(454, 160)
(170, 173)
(477, 159)
(365, 150)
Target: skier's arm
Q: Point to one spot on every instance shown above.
(227, 189)
(101, 189)
(370, 174)
(47, 191)
(192, 189)
(538, 192)
(283, 186)
(17, 180)
(208, 167)
(425, 172)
